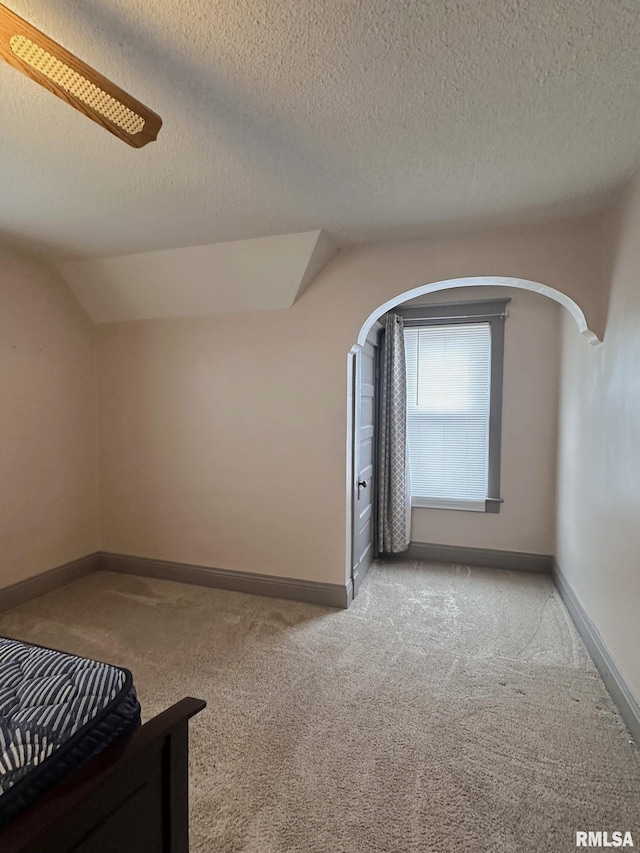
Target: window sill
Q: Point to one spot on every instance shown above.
(491, 505)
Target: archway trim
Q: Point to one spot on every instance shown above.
(491, 281)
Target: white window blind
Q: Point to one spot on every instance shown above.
(448, 398)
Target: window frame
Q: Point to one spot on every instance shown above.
(494, 312)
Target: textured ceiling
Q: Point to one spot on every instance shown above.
(243, 275)
(368, 118)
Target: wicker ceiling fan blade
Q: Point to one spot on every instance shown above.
(48, 63)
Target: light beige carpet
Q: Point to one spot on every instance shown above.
(450, 709)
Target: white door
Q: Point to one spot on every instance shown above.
(364, 422)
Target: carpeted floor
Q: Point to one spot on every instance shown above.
(450, 709)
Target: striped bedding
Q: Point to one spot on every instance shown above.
(57, 711)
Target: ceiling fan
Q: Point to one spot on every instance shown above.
(62, 73)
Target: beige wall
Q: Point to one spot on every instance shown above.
(526, 521)
(48, 454)
(598, 546)
(222, 443)
(223, 439)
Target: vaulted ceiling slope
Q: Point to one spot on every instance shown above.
(242, 275)
(368, 118)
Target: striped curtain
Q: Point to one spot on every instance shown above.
(394, 503)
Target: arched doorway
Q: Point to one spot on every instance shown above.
(358, 354)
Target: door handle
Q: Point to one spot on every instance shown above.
(362, 484)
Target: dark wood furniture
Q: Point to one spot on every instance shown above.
(132, 798)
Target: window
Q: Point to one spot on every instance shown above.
(454, 400)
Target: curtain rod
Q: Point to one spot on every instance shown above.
(419, 319)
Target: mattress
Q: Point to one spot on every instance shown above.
(57, 711)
